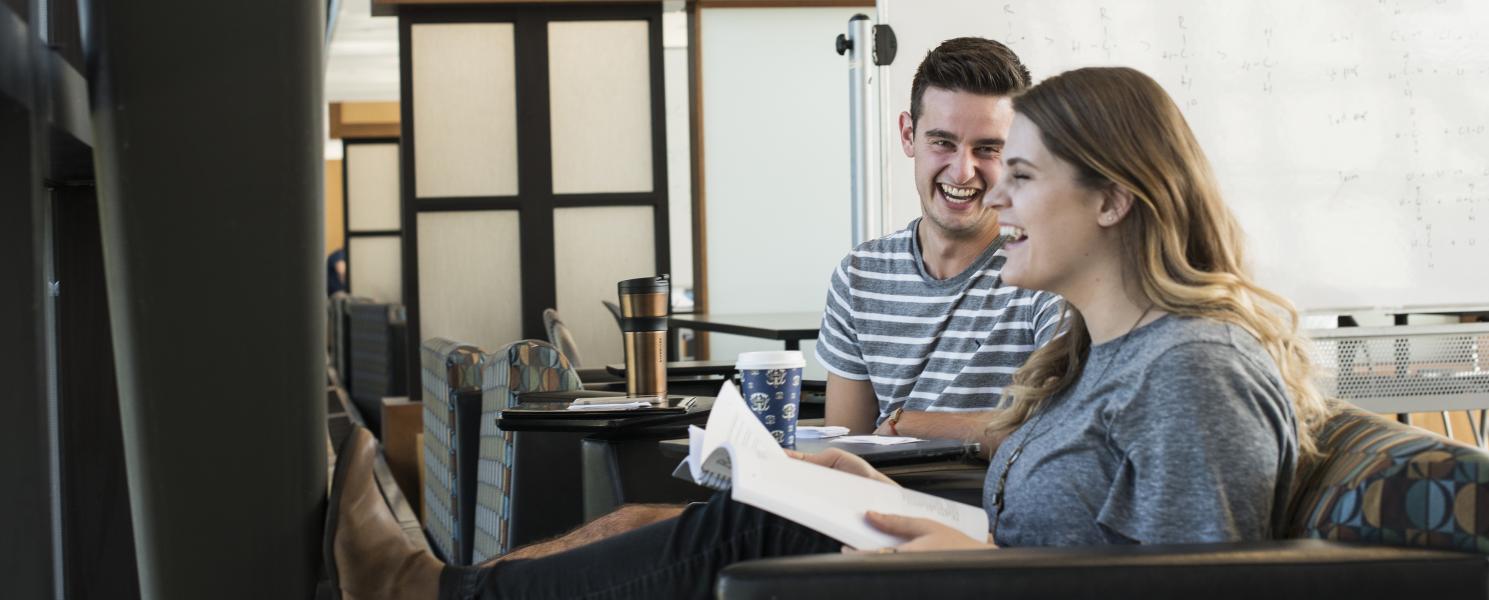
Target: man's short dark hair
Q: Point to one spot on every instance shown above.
(969, 64)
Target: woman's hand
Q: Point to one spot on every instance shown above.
(924, 535)
(840, 460)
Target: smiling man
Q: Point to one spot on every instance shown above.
(920, 335)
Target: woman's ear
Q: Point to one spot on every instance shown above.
(1116, 201)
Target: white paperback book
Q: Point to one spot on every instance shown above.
(736, 452)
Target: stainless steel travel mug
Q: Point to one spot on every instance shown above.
(644, 304)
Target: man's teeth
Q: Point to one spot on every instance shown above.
(1016, 233)
(959, 194)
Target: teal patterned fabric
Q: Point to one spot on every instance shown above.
(449, 368)
(473, 530)
(525, 366)
(1382, 482)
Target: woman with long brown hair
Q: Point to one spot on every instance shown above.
(1178, 400)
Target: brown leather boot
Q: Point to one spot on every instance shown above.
(372, 558)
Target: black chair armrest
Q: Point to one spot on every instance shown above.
(1275, 570)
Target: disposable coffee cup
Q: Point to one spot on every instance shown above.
(771, 384)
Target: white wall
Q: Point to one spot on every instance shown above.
(775, 114)
(679, 147)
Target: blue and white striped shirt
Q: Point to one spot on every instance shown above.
(935, 345)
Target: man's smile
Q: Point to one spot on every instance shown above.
(957, 195)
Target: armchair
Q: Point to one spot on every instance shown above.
(1388, 512)
(487, 490)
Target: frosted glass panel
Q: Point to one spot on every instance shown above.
(470, 285)
(375, 265)
(596, 247)
(465, 110)
(599, 80)
(372, 187)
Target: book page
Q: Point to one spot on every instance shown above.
(732, 428)
(711, 469)
(833, 503)
(736, 425)
(829, 501)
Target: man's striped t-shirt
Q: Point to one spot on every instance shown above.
(933, 345)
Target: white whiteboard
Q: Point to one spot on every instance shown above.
(1350, 137)
(776, 163)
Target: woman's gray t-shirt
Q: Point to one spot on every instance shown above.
(1180, 431)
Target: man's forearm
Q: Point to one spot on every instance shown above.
(969, 426)
(940, 425)
(857, 420)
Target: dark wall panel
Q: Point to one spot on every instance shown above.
(22, 8)
(25, 507)
(98, 538)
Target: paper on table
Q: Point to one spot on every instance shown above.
(877, 440)
(616, 406)
(736, 451)
(810, 432)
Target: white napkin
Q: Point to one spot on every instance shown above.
(811, 432)
(878, 440)
(616, 406)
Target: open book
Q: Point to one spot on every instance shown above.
(735, 451)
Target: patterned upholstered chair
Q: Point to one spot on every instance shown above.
(376, 358)
(560, 337)
(1382, 482)
(1390, 511)
(451, 376)
(340, 334)
(469, 484)
(525, 366)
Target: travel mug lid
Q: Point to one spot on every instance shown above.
(773, 359)
(660, 284)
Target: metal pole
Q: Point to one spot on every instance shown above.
(863, 127)
(208, 126)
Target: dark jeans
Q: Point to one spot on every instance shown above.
(676, 558)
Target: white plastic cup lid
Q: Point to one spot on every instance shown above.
(772, 359)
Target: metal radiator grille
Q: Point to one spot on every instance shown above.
(1437, 368)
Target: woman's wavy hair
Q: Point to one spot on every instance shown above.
(1181, 244)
